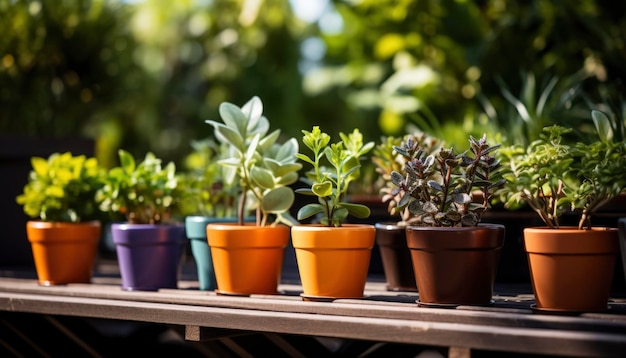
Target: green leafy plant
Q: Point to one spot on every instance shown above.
(442, 189)
(209, 190)
(330, 184)
(263, 167)
(62, 188)
(145, 193)
(554, 177)
(388, 160)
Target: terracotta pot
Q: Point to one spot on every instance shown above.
(247, 259)
(333, 261)
(571, 269)
(63, 252)
(455, 266)
(148, 255)
(396, 257)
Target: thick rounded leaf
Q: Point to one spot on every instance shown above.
(287, 168)
(357, 210)
(277, 200)
(305, 191)
(229, 136)
(262, 177)
(234, 118)
(309, 210)
(462, 198)
(268, 141)
(288, 179)
(397, 178)
(322, 189)
(253, 109)
(287, 151)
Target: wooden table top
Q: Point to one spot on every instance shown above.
(381, 315)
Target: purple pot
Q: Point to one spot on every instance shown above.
(148, 255)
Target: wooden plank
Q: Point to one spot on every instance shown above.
(513, 339)
(493, 316)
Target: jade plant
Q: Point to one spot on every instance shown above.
(262, 167)
(330, 184)
(209, 190)
(62, 188)
(554, 176)
(387, 160)
(144, 192)
(447, 189)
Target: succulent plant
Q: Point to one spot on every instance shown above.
(263, 167)
(555, 177)
(62, 188)
(387, 160)
(144, 192)
(209, 192)
(442, 189)
(330, 184)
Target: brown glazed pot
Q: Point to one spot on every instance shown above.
(455, 266)
(571, 270)
(396, 257)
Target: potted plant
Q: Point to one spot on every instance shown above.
(64, 232)
(248, 257)
(454, 255)
(208, 198)
(391, 235)
(571, 266)
(333, 257)
(149, 245)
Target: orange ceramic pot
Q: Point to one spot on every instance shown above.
(571, 270)
(333, 261)
(247, 259)
(63, 252)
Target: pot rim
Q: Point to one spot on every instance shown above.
(480, 226)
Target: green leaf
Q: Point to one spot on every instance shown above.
(305, 158)
(252, 147)
(262, 177)
(305, 191)
(230, 162)
(127, 162)
(288, 179)
(322, 189)
(286, 152)
(234, 118)
(268, 141)
(230, 136)
(357, 210)
(277, 200)
(603, 126)
(40, 166)
(309, 210)
(253, 110)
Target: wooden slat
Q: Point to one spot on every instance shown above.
(493, 316)
(462, 335)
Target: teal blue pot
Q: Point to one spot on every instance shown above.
(195, 227)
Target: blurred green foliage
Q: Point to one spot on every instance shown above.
(145, 75)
